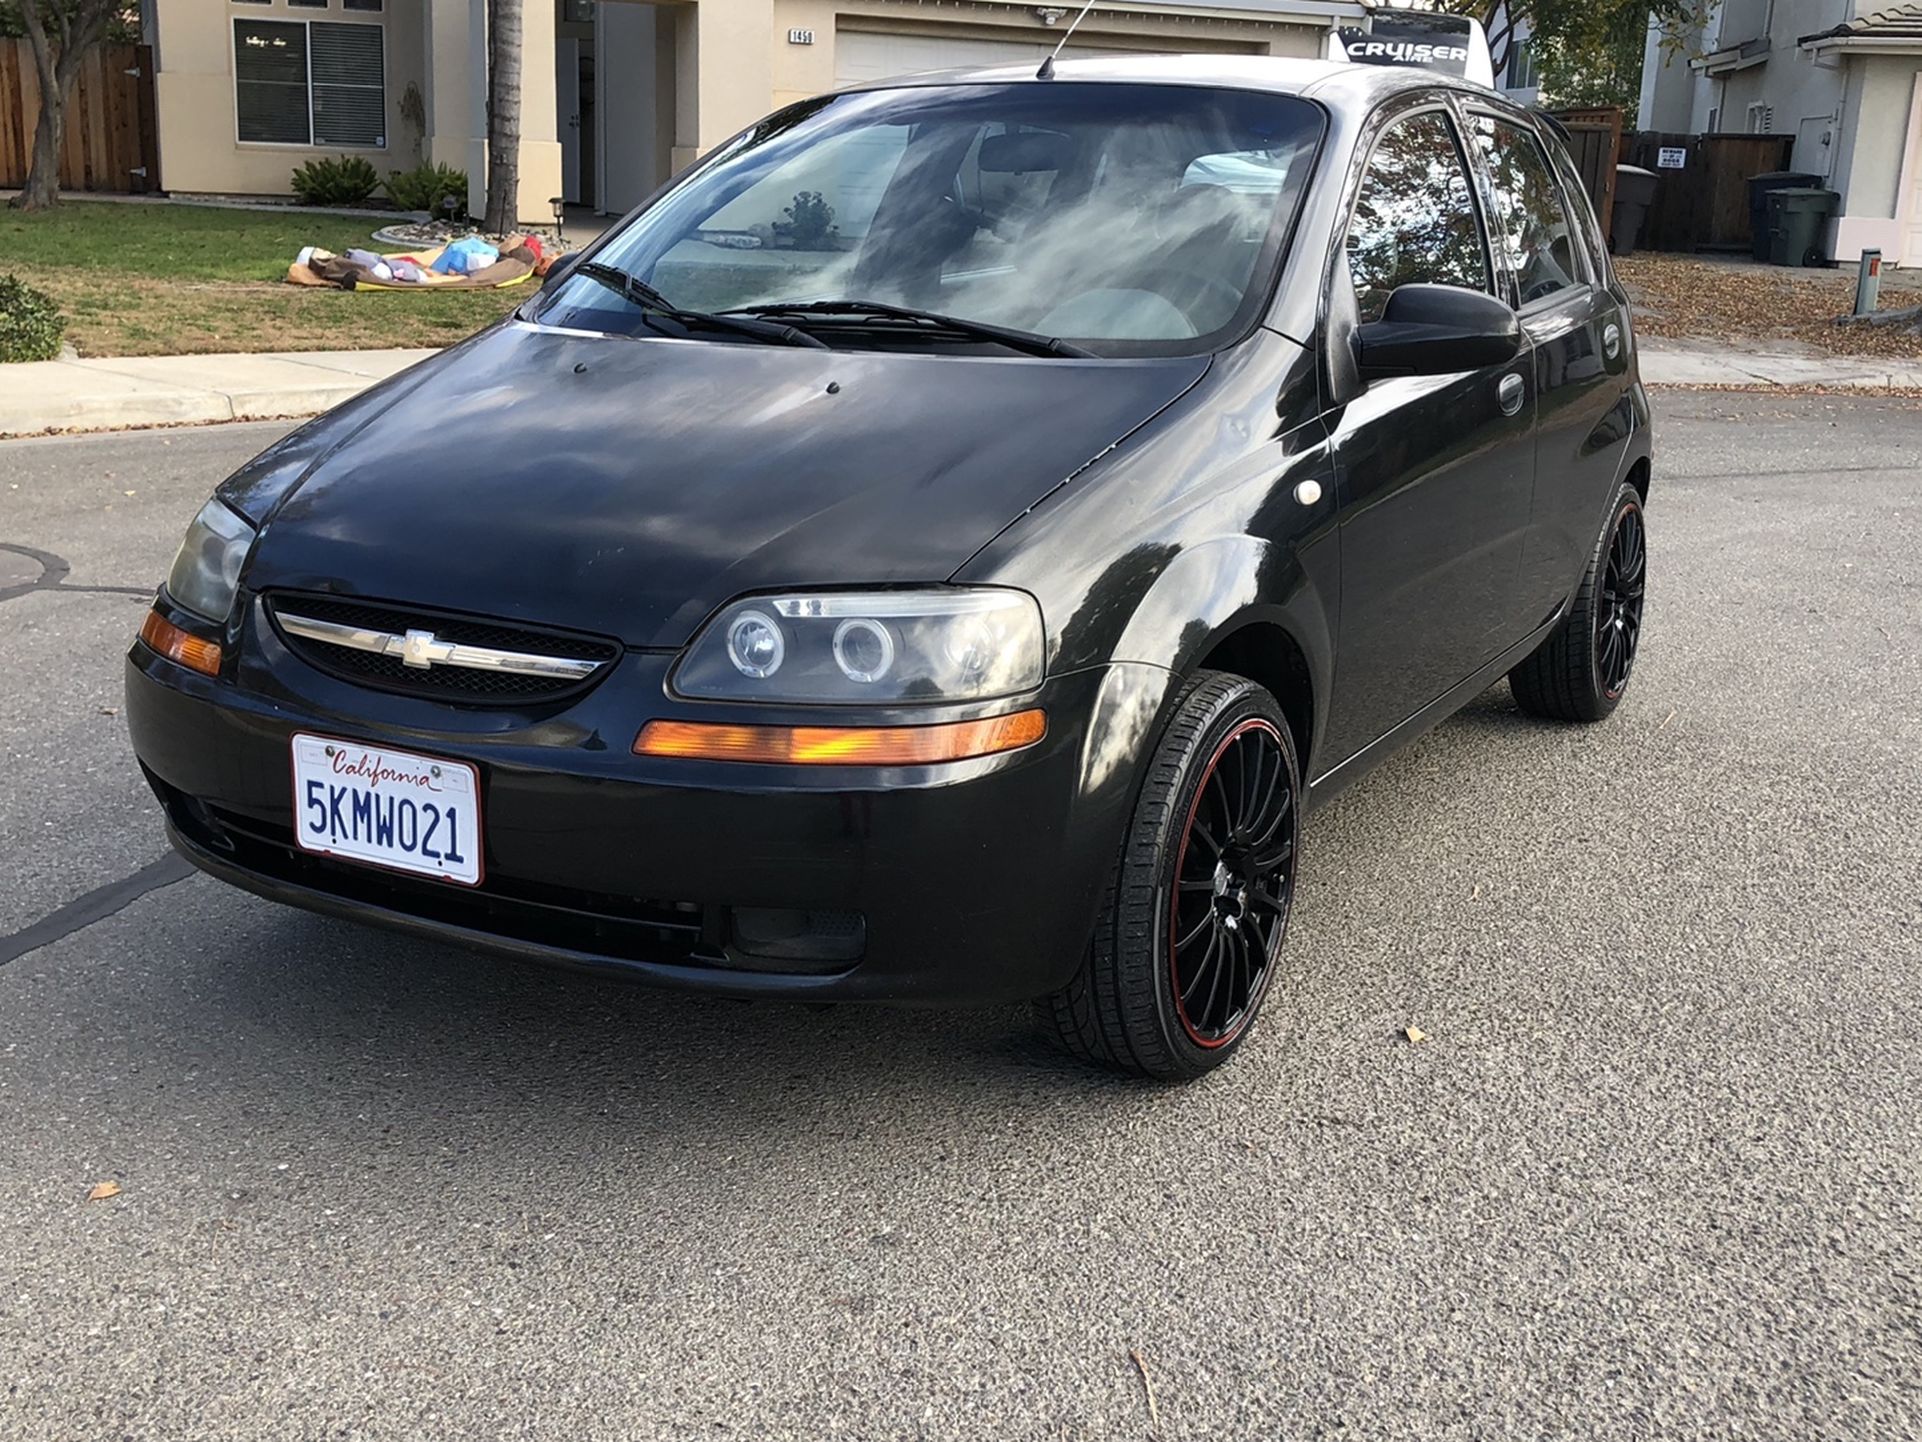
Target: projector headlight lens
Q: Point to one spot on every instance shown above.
(940, 644)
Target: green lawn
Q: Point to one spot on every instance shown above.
(173, 279)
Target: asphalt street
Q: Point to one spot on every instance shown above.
(1655, 1172)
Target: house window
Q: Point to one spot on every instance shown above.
(1521, 66)
(310, 83)
(373, 5)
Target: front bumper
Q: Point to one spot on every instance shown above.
(969, 882)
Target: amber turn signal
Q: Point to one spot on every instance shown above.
(179, 646)
(842, 745)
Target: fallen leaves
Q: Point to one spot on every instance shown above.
(101, 1191)
(1684, 296)
(1416, 1036)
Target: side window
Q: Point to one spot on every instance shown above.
(1414, 219)
(1531, 220)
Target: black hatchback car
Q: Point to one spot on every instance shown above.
(936, 549)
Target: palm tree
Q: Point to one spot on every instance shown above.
(503, 114)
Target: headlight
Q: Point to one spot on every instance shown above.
(206, 573)
(874, 647)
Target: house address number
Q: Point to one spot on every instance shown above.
(800, 37)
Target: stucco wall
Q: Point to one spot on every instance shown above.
(194, 98)
(1881, 127)
(428, 45)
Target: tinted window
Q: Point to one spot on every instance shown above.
(1531, 221)
(270, 81)
(1137, 219)
(1414, 219)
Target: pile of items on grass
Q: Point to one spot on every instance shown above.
(470, 262)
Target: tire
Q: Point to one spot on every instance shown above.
(1580, 672)
(1227, 752)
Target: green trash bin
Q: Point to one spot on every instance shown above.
(1797, 218)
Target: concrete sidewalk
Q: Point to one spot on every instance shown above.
(98, 395)
(104, 395)
(1706, 363)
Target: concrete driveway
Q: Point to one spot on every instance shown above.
(1654, 1174)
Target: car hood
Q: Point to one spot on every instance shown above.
(629, 487)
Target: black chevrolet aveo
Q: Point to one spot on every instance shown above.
(935, 550)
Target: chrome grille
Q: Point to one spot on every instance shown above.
(438, 654)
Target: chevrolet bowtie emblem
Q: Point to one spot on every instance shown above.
(422, 649)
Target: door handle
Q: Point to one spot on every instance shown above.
(1510, 391)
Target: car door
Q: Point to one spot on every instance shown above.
(1434, 472)
(1545, 238)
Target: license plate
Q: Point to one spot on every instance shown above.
(389, 808)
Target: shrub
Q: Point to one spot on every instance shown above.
(30, 323)
(426, 186)
(810, 221)
(345, 180)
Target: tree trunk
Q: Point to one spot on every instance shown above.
(503, 115)
(42, 187)
(78, 32)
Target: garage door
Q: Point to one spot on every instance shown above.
(863, 55)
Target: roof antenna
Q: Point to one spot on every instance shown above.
(1046, 72)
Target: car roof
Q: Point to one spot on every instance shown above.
(1334, 82)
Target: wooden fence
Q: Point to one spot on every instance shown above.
(1703, 205)
(109, 141)
(1595, 142)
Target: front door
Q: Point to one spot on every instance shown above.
(1434, 471)
(567, 107)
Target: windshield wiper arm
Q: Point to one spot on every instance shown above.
(645, 298)
(1021, 340)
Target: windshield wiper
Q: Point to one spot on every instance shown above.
(649, 301)
(1021, 340)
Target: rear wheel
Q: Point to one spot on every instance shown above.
(1580, 672)
(1191, 929)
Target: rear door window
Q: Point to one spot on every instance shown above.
(1531, 219)
(1415, 219)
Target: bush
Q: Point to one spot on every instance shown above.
(810, 222)
(347, 180)
(30, 323)
(426, 186)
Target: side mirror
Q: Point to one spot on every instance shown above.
(561, 269)
(1432, 330)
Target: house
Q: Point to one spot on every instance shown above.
(616, 96)
(1511, 43)
(1841, 76)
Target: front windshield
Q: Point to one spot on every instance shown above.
(1129, 219)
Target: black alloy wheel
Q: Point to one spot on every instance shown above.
(1618, 620)
(1581, 671)
(1234, 879)
(1191, 928)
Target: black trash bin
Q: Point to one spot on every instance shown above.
(1634, 193)
(1759, 187)
(1797, 218)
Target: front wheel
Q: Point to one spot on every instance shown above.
(1581, 670)
(1190, 931)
